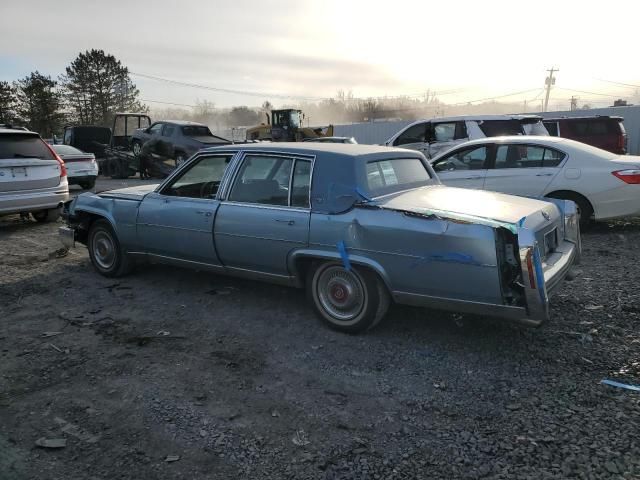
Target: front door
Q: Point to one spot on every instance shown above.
(177, 222)
(415, 137)
(521, 169)
(464, 168)
(266, 214)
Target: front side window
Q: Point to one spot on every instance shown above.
(527, 156)
(467, 159)
(387, 176)
(415, 134)
(263, 180)
(156, 129)
(201, 180)
(444, 132)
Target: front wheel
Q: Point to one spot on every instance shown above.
(107, 256)
(136, 146)
(348, 300)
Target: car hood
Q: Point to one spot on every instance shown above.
(489, 208)
(130, 193)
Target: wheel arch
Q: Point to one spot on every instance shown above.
(86, 218)
(560, 192)
(301, 260)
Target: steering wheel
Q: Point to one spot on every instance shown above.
(208, 188)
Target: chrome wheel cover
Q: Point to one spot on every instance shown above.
(341, 293)
(104, 250)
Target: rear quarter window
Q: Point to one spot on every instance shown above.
(497, 128)
(24, 146)
(394, 175)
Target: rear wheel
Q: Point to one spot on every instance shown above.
(584, 207)
(349, 300)
(89, 184)
(107, 256)
(44, 216)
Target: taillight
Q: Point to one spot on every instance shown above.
(63, 168)
(631, 176)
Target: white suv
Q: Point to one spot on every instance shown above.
(33, 179)
(439, 134)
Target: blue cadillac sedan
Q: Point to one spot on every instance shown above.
(357, 226)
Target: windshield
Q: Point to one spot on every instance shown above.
(197, 131)
(394, 175)
(24, 146)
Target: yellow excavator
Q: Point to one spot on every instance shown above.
(286, 126)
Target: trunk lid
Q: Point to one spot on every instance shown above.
(482, 207)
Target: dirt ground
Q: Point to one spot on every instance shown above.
(169, 373)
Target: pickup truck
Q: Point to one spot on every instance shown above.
(184, 138)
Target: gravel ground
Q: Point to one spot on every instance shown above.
(176, 374)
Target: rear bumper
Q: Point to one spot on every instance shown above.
(31, 201)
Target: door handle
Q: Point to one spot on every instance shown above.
(285, 220)
(203, 212)
(544, 174)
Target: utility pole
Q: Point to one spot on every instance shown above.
(549, 81)
(574, 103)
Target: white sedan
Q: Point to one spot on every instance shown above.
(603, 185)
(82, 168)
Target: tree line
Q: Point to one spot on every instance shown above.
(94, 87)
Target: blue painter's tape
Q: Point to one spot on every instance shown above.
(521, 221)
(453, 257)
(361, 193)
(343, 254)
(634, 388)
(537, 265)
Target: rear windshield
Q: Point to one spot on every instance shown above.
(497, 128)
(389, 176)
(66, 150)
(24, 146)
(196, 131)
(594, 127)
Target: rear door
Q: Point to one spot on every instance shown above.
(177, 222)
(26, 163)
(266, 214)
(465, 167)
(522, 169)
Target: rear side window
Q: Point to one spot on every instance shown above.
(586, 128)
(552, 128)
(196, 131)
(527, 156)
(387, 176)
(497, 128)
(24, 146)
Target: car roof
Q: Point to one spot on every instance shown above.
(586, 117)
(311, 148)
(479, 118)
(542, 139)
(181, 122)
(14, 131)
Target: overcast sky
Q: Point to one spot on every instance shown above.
(466, 49)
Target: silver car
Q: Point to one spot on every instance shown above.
(358, 226)
(33, 179)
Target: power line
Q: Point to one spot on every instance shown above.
(168, 103)
(589, 93)
(629, 85)
(494, 98)
(288, 97)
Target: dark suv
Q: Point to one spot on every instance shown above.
(599, 131)
(183, 138)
